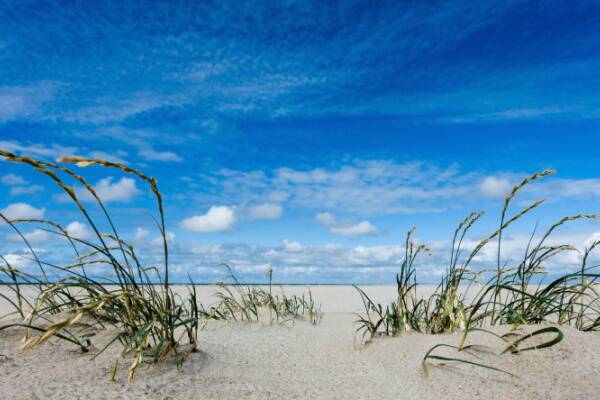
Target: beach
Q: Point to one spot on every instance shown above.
(259, 360)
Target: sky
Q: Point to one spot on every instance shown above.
(304, 137)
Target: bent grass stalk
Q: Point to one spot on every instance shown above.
(146, 319)
(508, 296)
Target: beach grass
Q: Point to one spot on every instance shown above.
(505, 295)
(149, 320)
(240, 302)
(153, 323)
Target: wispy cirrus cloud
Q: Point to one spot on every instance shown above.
(389, 63)
(381, 187)
(19, 102)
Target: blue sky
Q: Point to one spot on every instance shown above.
(307, 137)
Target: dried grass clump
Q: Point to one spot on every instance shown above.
(150, 321)
(515, 295)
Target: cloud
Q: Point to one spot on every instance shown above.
(158, 241)
(555, 189)
(23, 211)
(361, 228)
(51, 151)
(292, 246)
(345, 229)
(20, 190)
(382, 187)
(141, 234)
(116, 156)
(325, 218)
(17, 183)
(113, 109)
(148, 153)
(24, 101)
(123, 190)
(265, 211)
(217, 219)
(17, 261)
(374, 68)
(78, 230)
(496, 188)
(365, 187)
(13, 180)
(35, 236)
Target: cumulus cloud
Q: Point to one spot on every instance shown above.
(22, 210)
(123, 190)
(217, 219)
(497, 188)
(345, 229)
(265, 211)
(78, 230)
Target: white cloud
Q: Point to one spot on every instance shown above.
(78, 230)
(265, 211)
(345, 229)
(123, 190)
(325, 218)
(497, 188)
(116, 156)
(383, 187)
(116, 109)
(292, 246)
(35, 236)
(148, 153)
(17, 183)
(376, 254)
(17, 261)
(361, 228)
(141, 234)
(38, 150)
(13, 180)
(24, 101)
(217, 219)
(20, 190)
(554, 189)
(22, 211)
(361, 187)
(157, 242)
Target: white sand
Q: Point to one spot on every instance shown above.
(258, 361)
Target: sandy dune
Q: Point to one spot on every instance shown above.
(259, 361)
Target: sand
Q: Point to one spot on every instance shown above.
(260, 361)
